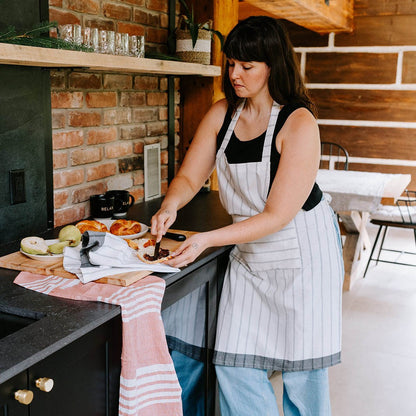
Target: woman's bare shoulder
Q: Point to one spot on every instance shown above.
(215, 116)
(219, 108)
(301, 114)
(299, 128)
(300, 119)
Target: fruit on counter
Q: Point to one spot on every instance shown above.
(34, 245)
(58, 248)
(71, 234)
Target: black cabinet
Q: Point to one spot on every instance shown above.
(8, 404)
(86, 376)
(25, 135)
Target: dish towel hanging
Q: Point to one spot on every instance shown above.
(148, 382)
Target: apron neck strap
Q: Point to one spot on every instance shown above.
(268, 141)
(231, 127)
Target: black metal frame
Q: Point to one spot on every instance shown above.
(407, 223)
(337, 150)
(171, 102)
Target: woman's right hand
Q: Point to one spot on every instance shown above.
(161, 222)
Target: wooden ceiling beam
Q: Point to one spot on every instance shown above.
(315, 15)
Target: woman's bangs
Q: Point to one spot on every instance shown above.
(244, 47)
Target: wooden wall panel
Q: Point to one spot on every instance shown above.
(380, 31)
(377, 105)
(387, 169)
(198, 93)
(301, 37)
(373, 142)
(386, 7)
(353, 68)
(194, 106)
(381, 24)
(409, 67)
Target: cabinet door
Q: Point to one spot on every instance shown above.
(25, 134)
(9, 406)
(86, 375)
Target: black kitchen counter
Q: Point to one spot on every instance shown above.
(58, 322)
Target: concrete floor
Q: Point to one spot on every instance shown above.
(378, 369)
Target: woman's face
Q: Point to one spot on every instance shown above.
(248, 78)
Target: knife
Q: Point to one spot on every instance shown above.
(175, 236)
(156, 253)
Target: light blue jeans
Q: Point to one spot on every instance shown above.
(190, 374)
(248, 392)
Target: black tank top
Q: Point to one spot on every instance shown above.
(238, 151)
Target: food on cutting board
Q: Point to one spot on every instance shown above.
(70, 234)
(58, 248)
(134, 244)
(91, 225)
(34, 245)
(118, 227)
(146, 250)
(125, 227)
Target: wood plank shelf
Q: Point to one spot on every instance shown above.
(59, 58)
(317, 15)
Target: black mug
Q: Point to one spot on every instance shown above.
(123, 200)
(102, 206)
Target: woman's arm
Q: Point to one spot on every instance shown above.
(299, 146)
(194, 171)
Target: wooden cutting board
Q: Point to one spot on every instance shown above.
(18, 261)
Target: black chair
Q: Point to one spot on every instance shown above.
(333, 156)
(401, 215)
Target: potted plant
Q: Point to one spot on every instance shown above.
(193, 40)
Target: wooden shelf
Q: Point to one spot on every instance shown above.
(60, 58)
(316, 15)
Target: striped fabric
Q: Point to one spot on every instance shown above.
(243, 192)
(288, 319)
(280, 306)
(184, 324)
(105, 255)
(148, 382)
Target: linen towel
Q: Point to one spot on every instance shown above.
(148, 382)
(104, 254)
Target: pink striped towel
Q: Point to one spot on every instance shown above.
(148, 382)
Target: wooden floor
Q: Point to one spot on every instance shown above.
(377, 373)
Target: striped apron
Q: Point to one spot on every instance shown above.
(280, 306)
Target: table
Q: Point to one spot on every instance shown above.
(354, 196)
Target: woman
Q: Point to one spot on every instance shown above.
(280, 306)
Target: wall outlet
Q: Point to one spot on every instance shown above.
(17, 186)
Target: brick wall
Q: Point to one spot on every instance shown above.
(101, 121)
(364, 85)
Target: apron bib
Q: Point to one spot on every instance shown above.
(243, 190)
(280, 306)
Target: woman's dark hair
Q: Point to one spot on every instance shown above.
(264, 39)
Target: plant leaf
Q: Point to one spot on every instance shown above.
(186, 9)
(219, 36)
(193, 29)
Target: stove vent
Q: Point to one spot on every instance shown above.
(151, 171)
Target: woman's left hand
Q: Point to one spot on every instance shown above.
(188, 251)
